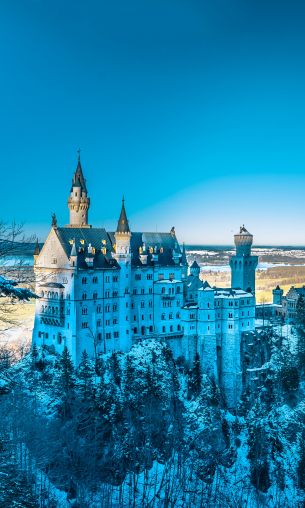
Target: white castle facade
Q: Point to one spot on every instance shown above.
(102, 291)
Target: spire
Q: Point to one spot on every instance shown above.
(123, 226)
(37, 248)
(78, 177)
(183, 257)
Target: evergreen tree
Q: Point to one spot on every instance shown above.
(66, 382)
(195, 378)
(85, 375)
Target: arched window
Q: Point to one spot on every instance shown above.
(84, 280)
(135, 330)
(178, 328)
(163, 329)
(163, 317)
(95, 295)
(150, 329)
(84, 296)
(171, 328)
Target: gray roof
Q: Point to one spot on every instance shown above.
(52, 285)
(164, 244)
(78, 177)
(123, 226)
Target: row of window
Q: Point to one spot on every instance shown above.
(170, 316)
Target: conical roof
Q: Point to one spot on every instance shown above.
(123, 226)
(183, 257)
(78, 177)
(195, 264)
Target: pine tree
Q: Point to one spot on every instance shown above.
(65, 383)
(195, 378)
(85, 375)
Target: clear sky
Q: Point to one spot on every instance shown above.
(194, 110)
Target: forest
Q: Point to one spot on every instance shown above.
(143, 429)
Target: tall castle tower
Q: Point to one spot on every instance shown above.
(78, 201)
(243, 265)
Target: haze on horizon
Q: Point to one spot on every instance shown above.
(194, 110)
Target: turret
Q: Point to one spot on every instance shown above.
(243, 264)
(78, 201)
(277, 295)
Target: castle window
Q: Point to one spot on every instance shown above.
(115, 321)
(171, 328)
(230, 315)
(84, 324)
(208, 305)
(116, 335)
(54, 261)
(171, 276)
(132, 305)
(142, 305)
(177, 315)
(107, 294)
(98, 323)
(150, 329)
(178, 328)
(163, 317)
(107, 308)
(99, 337)
(84, 280)
(135, 330)
(94, 296)
(170, 316)
(160, 276)
(178, 290)
(163, 290)
(142, 291)
(108, 335)
(150, 304)
(142, 317)
(134, 318)
(94, 280)
(134, 291)
(163, 329)
(115, 294)
(107, 322)
(98, 309)
(149, 276)
(208, 328)
(137, 276)
(84, 297)
(115, 307)
(150, 290)
(115, 278)
(107, 278)
(208, 316)
(59, 338)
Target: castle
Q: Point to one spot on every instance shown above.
(102, 291)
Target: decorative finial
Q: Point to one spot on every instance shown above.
(123, 199)
(54, 220)
(78, 151)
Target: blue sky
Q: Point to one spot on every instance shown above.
(194, 110)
